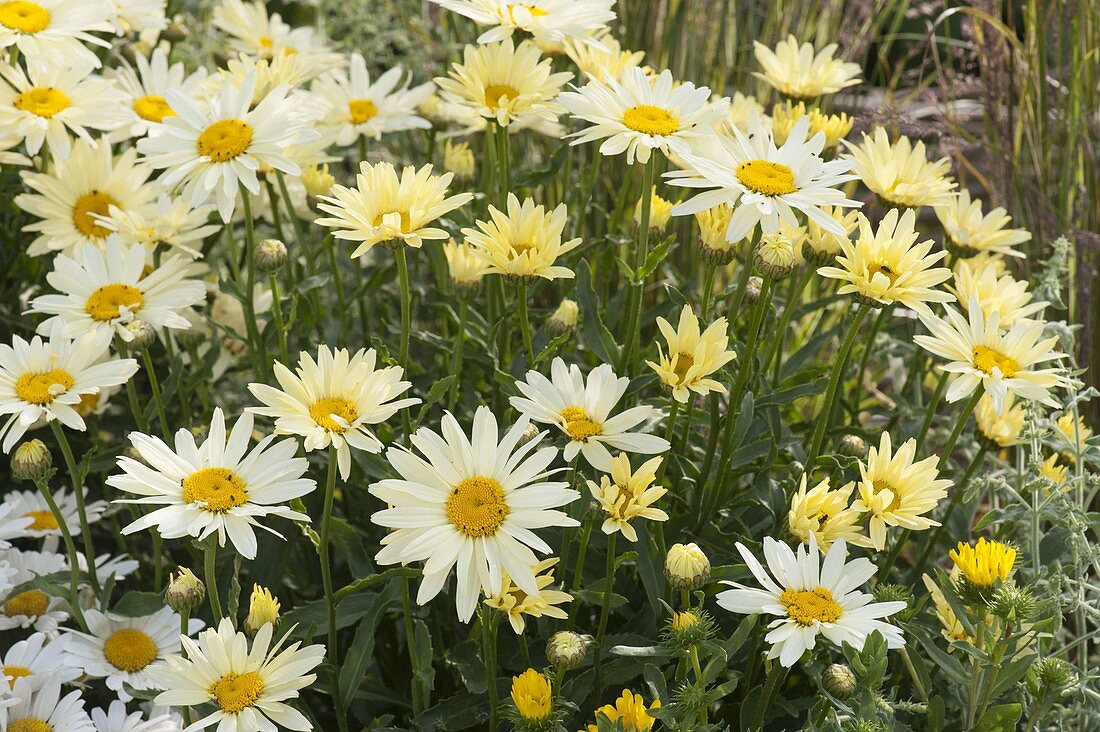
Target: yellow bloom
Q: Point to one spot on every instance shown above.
(794, 70)
(601, 61)
(629, 711)
(531, 693)
(625, 496)
(899, 173)
(1002, 429)
(686, 566)
(660, 211)
(263, 608)
(896, 491)
(985, 563)
(565, 317)
(825, 514)
(743, 107)
(515, 603)
(970, 233)
(713, 223)
(1001, 294)
(523, 242)
(835, 127)
(317, 180)
(1053, 471)
(459, 159)
(821, 245)
(1073, 431)
(463, 264)
(776, 254)
(952, 629)
(692, 356)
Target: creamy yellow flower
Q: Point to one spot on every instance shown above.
(692, 355)
(952, 630)
(629, 711)
(825, 514)
(317, 180)
(463, 264)
(713, 224)
(516, 604)
(1001, 294)
(532, 695)
(835, 127)
(985, 563)
(606, 59)
(459, 159)
(565, 317)
(970, 233)
(1073, 431)
(900, 173)
(1054, 472)
(794, 70)
(822, 245)
(776, 255)
(1001, 429)
(263, 609)
(525, 242)
(742, 109)
(660, 211)
(625, 495)
(686, 566)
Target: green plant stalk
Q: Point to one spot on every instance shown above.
(670, 432)
(698, 670)
(567, 534)
(406, 326)
(460, 345)
(323, 551)
(210, 575)
(299, 233)
(930, 413)
(525, 325)
(255, 341)
(876, 326)
(975, 464)
(708, 289)
(775, 348)
(70, 550)
(277, 310)
(489, 654)
(132, 397)
(154, 384)
(641, 253)
(605, 609)
(410, 642)
(77, 484)
(775, 677)
(185, 622)
(708, 456)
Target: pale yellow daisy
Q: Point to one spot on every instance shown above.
(795, 70)
(900, 173)
(970, 233)
(625, 495)
(825, 514)
(693, 356)
(524, 242)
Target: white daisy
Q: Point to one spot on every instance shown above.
(548, 21)
(471, 502)
(637, 115)
(249, 686)
(46, 378)
(115, 719)
(259, 34)
(53, 32)
(121, 649)
(70, 198)
(11, 139)
(217, 488)
(582, 410)
(358, 107)
(13, 525)
(146, 90)
(31, 505)
(104, 291)
(45, 710)
(334, 400)
(38, 660)
(107, 566)
(763, 183)
(46, 104)
(172, 222)
(214, 150)
(812, 597)
(32, 608)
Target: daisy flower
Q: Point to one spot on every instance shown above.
(70, 199)
(969, 232)
(984, 563)
(32, 608)
(31, 505)
(692, 356)
(503, 82)
(138, 16)
(886, 265)
(465, 268)
(795, 71)
(472, 502)
(1003, 294)
(214, 150)
(811, 596)
(38, 660)
(899, 173)
(582, 410)
(104, 291)
(896, 491)
(1003, 430)
(823, 513)
(45, 710)
(637, 115)
(979, 353)
(834, 126)
(390, 210)
(13, 525)
(603, 60)
(334, 400)
(624, 495)
(47, 104)
(516, 604)
(217, 488)
(358, 107)
(169, 222)
(53, 32)
(548, 21)
(763, 183)
(256, 33)
(146, 90)
(820, 246)
(46, 378)
(248, 686)
(524, 242)
(115, 719)
(121, 649)
(629, 712)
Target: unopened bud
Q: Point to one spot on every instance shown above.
(459, 159)
(185, 591)
(530, 432)
(175, 32)
(565, 317)
(566, 649)
(752, 288)
(263, 608)
(270, 255)
(139, 335)
(686, 567)
(31, 460)
(775, 255)
(853, 446)
(317, 180)
(839, 680)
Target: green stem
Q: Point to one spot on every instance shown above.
(323, 550)
(701, 481)
(883, 314)
(641, 253)
(77, 483)
(605, 608)
(775, 348)
(930, 412)
(460, 344)
(708, 289)
(255, 340)
(185, 622)
(410, 642)
(277, 310)
(489, 631)
(154, 384)
(670, 432)
(776, 674)
(406, 326)
(525, 326)
(70, 550)
(210, 574)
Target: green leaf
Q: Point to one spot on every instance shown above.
(654, 259)
(360, 653)
(596, 335)
(137, 604)
(1001, 718)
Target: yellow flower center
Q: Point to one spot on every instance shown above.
(806, 606)
(495, 92)
(43, 101)
(651, 120)
(87, 405)
(406, 220)
(532, 695)
(684, 362)
(220, 489)
(881, 268)
(153, 108)
(87, 207)
(17, 672)
(236, 692)
(29, 724)
(107, 302)
(535, 12)
(42, 389)
(322, 412)
(880, 486)
(32, 603)
(476, 507)
(766, 177)
(986, 359)
(23, 16)
(130, 650)
(41, 521)
(578, 426)
(224, 140)
(361, 110)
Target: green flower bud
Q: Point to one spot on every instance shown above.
(839, 681)
(31, 460)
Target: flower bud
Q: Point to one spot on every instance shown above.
(1052, 673)
(317, 180)
(185, 591)
(263, 608)
(530, 432)
(566, 649)
(853, 446)
(686, 566)
(1013, 604)
(465, 267)
(660, 211)
(459, 159)
(775, 255)
(139, 335)
(31, 460)
(270, 255)
(565, 317)
(175, 32)
(839, 680)
(889, 592)
(752, 288)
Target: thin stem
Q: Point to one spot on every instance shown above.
(883, 315)
(708, 288)
(641, 253)
(489, 653)
(775, 348)
(525, 326)
(255, 340)
(210, 574)
(277, 310)
(605, 607)
(323, 550)
(930, 413)
(945, 452)
(154, 384)
(834, 384)
(406, 326)
(460, 344)
(70, 550)
(77, 483)
(410, 641)
(776, 674)
(185, 622)
(670, 432)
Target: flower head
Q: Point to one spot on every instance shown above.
(603, 60)
(523, 242)
(899, 173)
(532, 696)
(834, 126)
(624, 495)
(823, 513)
(629, 712)
(686, 566)
(693, 356)
(515, 604)
(358, 107)
(1000, 293)
(1003, 428)
(794, 70)
(548, 21)
(984, 563)
(969, 233)
(263, 609)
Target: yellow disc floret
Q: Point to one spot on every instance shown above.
(651, 120)
(219, 489)
(129, 649)
(323, 411)
(43, 101)
(43, 388)
(806, 607)
(236, 692)
(476, 506)
(224, 140)
(766, 177)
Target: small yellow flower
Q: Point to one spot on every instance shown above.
(820, 245)
(1073, 431)
(794, 70)
(985, 563)
(1054, 472)
(899, 173)
(523, 242)
(692, 356)
(565, 317)
(660, 211)
(601, 61)
(775, 254)
(743, 107)
(834, 126)
(625, 496)
(629, 711)
(713, 223)
(684, 620)
(825, 514)
(1002, 429)
(531, 693)
(459, 159)
(465, 267)
(263, 608)
(952, 629)
(515, 603)
(969, 233)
